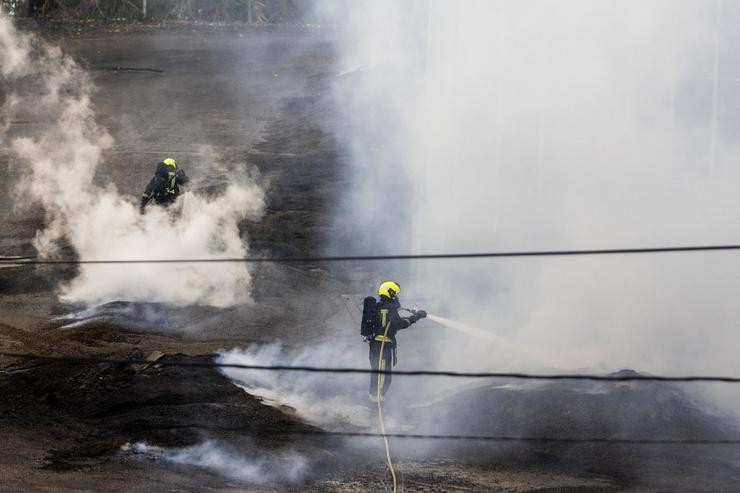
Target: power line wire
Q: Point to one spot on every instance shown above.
(434, 373)
(357, 258)
(478, 438)
(504, 438)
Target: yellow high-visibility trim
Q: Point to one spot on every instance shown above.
(383, 339)
(173, 180)
(388, 286)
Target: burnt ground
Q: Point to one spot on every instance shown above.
(259, 99)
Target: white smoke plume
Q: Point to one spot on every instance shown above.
(540, 125)
(317, 397)
(262, 468)
(41, 83)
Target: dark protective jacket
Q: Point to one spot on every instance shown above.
(386, 340)
(164, 187)
(392, 320)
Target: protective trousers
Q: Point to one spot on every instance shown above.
(384, 363)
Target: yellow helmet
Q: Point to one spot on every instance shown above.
(390, 289)
(170, 162)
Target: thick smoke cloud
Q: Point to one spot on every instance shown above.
(531, 125)
(42, 84)
(328, 402)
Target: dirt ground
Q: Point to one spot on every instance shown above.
(260, 97)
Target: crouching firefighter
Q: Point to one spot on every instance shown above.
(380, 323)
(164, 187)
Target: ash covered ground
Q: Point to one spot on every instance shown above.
(262, 97)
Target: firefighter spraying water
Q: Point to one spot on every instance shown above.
(380, 323)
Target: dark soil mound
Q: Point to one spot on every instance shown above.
(94, 409)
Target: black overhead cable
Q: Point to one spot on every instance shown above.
(479, 438)
(350, 258)
(317, 369)
(504, 438)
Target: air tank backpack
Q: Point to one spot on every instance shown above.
(370, 321)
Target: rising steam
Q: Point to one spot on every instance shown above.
(42, 84)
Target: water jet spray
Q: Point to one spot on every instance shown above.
(475, 332)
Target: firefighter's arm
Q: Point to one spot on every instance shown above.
(149, 191)
(145, 198)
(415, 317)
(182, 178)
(399, 323)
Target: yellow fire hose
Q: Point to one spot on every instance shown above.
(381, 377)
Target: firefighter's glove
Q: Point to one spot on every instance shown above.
(413, 319)
(142, 206)
(421, 313)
